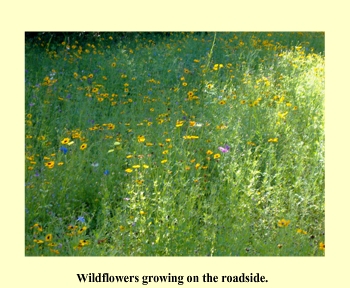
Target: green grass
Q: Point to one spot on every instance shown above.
(142, 186)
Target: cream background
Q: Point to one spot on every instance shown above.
(18, 17)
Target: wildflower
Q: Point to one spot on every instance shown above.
(38, 227)
(283, 223)
(301, 231)
(216, 156)
(282, 115)
(106, 172)
(114, 64)
(139, 182)
(136, 166)
(322, 246)
(91, 76)
(141, 138)
(209, 152)
(190, 137)
(274, 140)
(279, 246)
(38, 241)
(142, 213)
(83, 146)
(163, 161)
(65, 141)
(71, 227)
(145, 166)
(197, 165)
(222, 102)
(55, 251)
(128, 170)
(64, 150)
(50, 164)
(70, 143)
(83, 243)
(184, 84)
(224, 149)
(60, 163)
(81, 219)
(122, 228)
(82, 229)
(179, 123)
(129, 156)
(48, 237)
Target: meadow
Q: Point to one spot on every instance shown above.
(175, 144)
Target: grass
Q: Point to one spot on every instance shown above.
(123, 132)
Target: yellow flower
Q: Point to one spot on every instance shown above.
(209, 152)
(82, 229)
(50, 164)
(83, 146)
(163, 161)
(128, 170)
(65, 141)
(48, 237)
(145, 166)
(38, 241)
(136, 166)
(283, 223)
(274, 140)
(301, 231)
(216, 156)
(322, 246)
(179, 123)
(142, 213)
(38, 227)
(141, 138)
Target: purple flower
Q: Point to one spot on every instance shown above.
(224, 149)
(106, 172)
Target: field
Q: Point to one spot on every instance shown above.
(175, 144)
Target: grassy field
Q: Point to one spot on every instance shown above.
(175, 144)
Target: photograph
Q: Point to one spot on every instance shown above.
(174, 143)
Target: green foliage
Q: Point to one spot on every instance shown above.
(122, 144)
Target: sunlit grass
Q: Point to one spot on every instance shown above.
(179, 144)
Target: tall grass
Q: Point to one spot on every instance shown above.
(123, 132)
